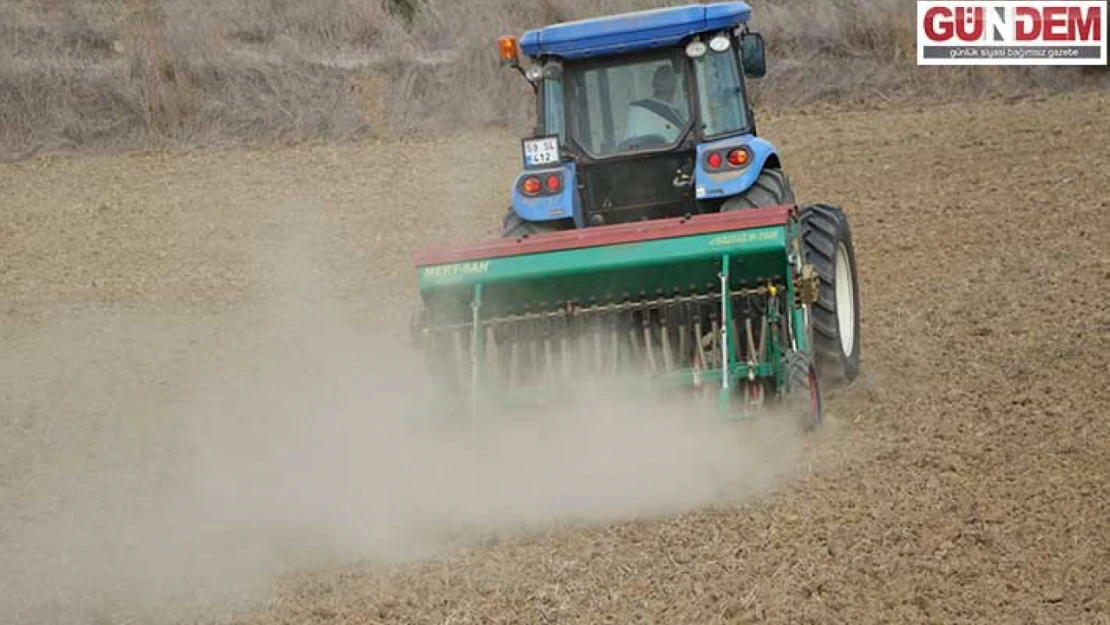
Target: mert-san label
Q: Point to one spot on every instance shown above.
(458, 269)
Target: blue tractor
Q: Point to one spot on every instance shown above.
(642, 116)
(646, 116)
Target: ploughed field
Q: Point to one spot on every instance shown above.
(204, 383)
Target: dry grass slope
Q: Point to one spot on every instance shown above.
(125, 74)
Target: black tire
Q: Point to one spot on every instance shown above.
(825, 231)
(513, 226)
(772, 188)
(803, 398)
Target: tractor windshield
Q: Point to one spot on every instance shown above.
(628, 104)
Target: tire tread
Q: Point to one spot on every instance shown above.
(771, 188)
(824, 226)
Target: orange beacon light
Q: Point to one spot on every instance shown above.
(510, 50)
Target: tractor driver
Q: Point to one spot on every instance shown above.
(657, 115)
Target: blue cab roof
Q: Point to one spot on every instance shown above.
(631, 32)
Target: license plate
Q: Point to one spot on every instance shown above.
(541, 151)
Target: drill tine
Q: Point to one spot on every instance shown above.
(682, 342)
(668, 359)
(685, 327)
(541, 352)
(533, 355)
(750, 340)
(633, 347)
(649, 347)
(530, 355)
(665, 321)
(588, 349)
(566, 348)
(599, 360)
(514, 358)
(539, 362)
(581, 354)
(582, 343)
(614, 344)
(601, 340)
(699, 354)
(678, 341)
(549, 365)
(564, 354)
(590, 353)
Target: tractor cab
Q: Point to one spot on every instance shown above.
(640, 116)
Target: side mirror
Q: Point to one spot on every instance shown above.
(751, 51)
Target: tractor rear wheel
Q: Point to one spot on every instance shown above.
(772, 188)
(513, 226)
(804, 396)
(835, 315)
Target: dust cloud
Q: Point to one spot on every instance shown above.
(162, 460)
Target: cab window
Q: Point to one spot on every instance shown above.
(629, 104)
(720, 94)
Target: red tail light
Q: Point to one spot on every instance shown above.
(714, 160)
(553, 183)
(531, 185)
(738, 158)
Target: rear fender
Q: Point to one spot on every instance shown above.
(561, 205)
(730, 182)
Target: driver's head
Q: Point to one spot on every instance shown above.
(664, 82)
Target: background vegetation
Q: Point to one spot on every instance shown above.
(134, 74)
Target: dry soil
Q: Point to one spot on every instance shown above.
(208, 411)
